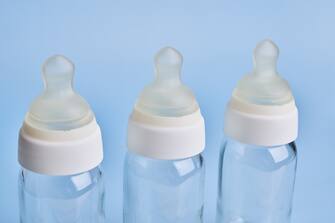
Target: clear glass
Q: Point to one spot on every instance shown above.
(163, 191)
(61, 199)
(256, 183)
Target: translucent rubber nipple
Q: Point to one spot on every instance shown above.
(264, 86)
(59, 107)
(167, 96)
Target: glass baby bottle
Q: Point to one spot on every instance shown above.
(60, 149)
(258, 160)
(163, 169)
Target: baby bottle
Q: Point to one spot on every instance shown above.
(164, 170)
(60, 149)
(258, 161)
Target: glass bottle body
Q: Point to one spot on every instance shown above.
(256, 183)
(61, 199)
(164, 191)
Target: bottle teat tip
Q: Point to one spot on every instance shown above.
(266, 48)
(265, 57)
(168, 62)
(58, 70)
(167, 57)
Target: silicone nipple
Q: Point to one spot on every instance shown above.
(167, 96)
(59, 107)
(264, 86)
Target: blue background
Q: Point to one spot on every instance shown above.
(113, 43)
